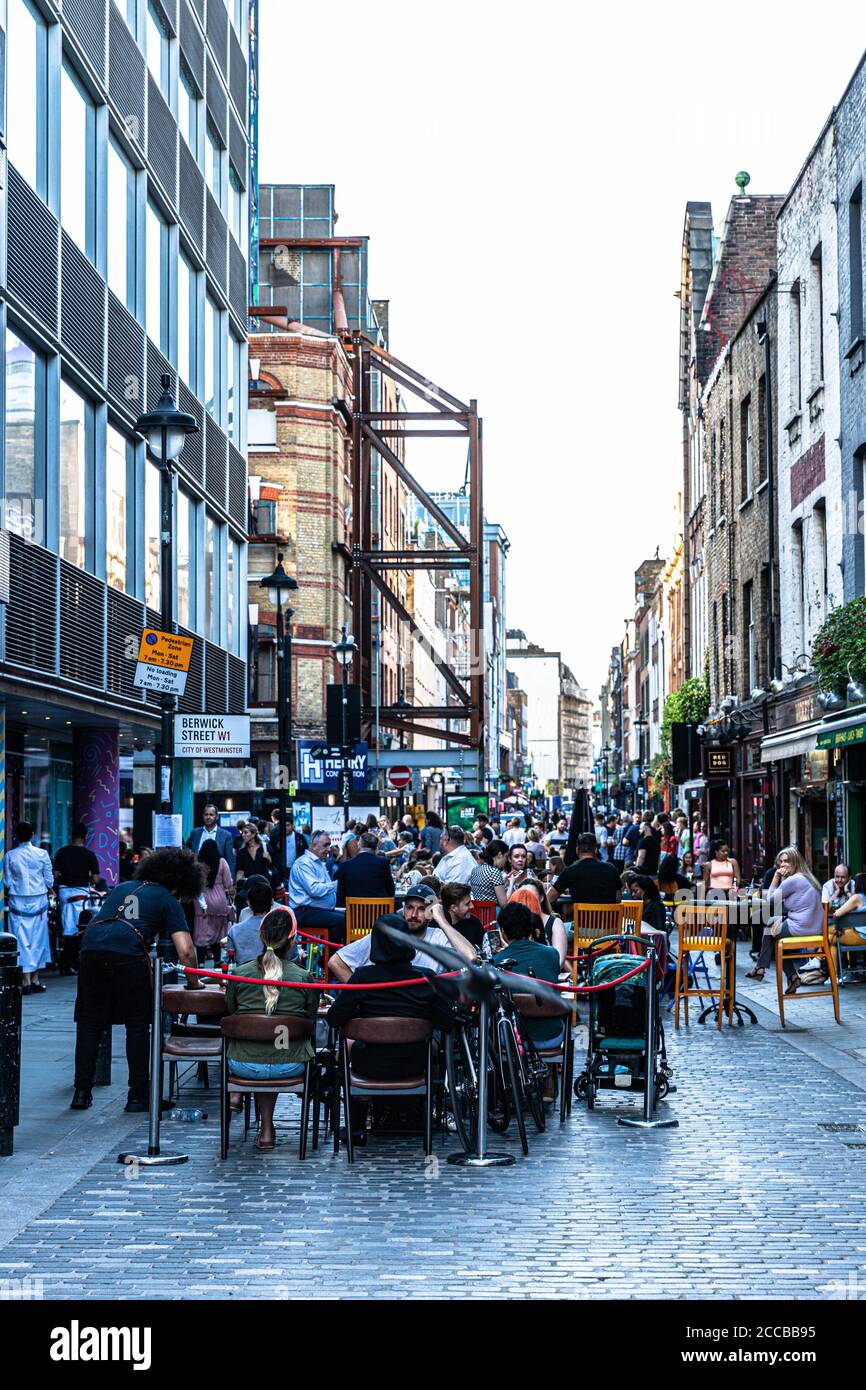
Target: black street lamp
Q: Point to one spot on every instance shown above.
(640, 724)
(278, 586)
(165, 429)
(345, 652)
(605, 754)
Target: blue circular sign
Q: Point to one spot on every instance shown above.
(151, 639)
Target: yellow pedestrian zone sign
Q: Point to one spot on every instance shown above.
(163, 662)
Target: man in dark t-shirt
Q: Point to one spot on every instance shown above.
(588, 880)
(75, 868)
(114, 975)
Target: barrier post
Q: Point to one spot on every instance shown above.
(154, 1158)
(649, 1121)
(10, 1040)
(480, 1158)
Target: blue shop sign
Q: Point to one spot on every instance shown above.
(323, 774)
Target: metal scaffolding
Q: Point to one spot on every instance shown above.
(444, 416)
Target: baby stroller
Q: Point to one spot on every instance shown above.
(620, 1055)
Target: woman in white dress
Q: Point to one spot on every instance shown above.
(29, 875)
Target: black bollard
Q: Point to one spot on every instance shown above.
(10, 1040)
(102, 1074)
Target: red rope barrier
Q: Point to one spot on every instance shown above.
(322, 985)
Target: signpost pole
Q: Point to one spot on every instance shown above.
(165, 756)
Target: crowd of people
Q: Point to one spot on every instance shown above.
(232, 898)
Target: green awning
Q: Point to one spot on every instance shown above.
(842, 737)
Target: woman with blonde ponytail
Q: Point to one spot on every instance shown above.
(795, 896)
(254, 1061)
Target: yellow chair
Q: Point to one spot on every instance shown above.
(799, 948)
(702, 927)
(632, 915)
(593, 922)
(362, 915)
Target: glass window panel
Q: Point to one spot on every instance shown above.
(26, 92)
(74, 416)
(77, 196)
(316, 267)
(155, 279)
(152, 595)
(25, 488)
(235, 385)
(213, 164)
(317, 202)
(317, 303)
(188, 110)
(157, 49)
(236, 203)
(231, 573)
(116, 453)
(187, 321)
(183, 552)
(211, 357)
(287, 202)
(121, 226)
(211, 602)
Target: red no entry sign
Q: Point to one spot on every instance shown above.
(400, 777)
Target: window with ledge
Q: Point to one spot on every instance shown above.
(748, 468)
(211, 581)
(798, 558)
(121, 238)
(77, 162)
(816, 317)
(24, 510)
(796, 350)
(117, 460)
(855, 262)
(762, 472)
(27, 93)
(750, 648)
(158, 49)
(819, 525)
(76, 433)
(235, 385)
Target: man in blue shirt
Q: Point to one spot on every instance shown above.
(313, 893)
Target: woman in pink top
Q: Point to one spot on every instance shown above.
(212, 908)
(720, 872)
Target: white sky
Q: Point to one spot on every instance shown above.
(522, 171)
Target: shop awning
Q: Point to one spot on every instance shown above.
(843, 732)
(693, 788)
(790, 743)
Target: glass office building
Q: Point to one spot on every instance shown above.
(124, 223)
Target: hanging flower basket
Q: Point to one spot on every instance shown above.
(840, 642)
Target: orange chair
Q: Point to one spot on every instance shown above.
(632, 915)
(702, 927)
(362, 915)
(800, 948)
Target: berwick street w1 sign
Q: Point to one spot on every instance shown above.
(211, 735)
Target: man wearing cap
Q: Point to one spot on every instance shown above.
(416, 919)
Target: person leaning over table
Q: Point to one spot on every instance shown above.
(588, 880)
(264, 1061)
(796, 892)
(114, 972)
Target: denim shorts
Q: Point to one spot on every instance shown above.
(266, 1071)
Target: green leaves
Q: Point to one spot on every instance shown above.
(841, 639)
(688, 705)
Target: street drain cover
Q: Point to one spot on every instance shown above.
(842, 1129)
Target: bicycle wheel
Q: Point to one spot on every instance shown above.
(515, 1079)
(534, 1071)
(498, 1103)
(462, 1088)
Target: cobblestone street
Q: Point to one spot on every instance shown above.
(759, 1193)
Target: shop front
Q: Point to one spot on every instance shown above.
(842, 741)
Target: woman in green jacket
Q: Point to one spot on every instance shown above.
(254, 1061)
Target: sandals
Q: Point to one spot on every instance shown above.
(793, 985)
(263, 1148)
(756, 974)
(238, 1108)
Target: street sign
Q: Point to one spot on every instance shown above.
(211, 736)
(163, 662)
(400, 777)
(322, 772)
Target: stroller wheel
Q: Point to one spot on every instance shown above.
(661, 1087)
(580, 1086)
(590, 1097)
